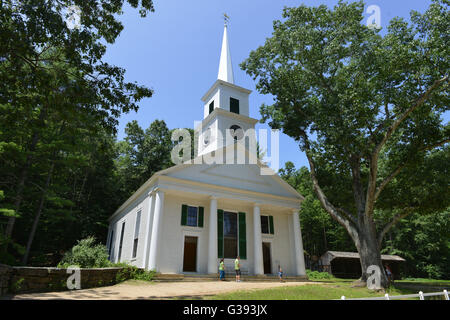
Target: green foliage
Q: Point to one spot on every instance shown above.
(316, 275)
(320, 232)
(366, 108)
(86, 254)
(142, 153)
(60, 103)
(17, 285)
(424, 241)
(130, 272)
(4, 211)
(423, 238)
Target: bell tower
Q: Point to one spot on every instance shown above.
(226, 107)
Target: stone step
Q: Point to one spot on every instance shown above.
(228, 277)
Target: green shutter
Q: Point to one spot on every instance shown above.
(271, 230)
(200, 216)
(220, 233)
(242, 236)
(184, 215)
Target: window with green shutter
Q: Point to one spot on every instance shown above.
(200, 216)
(267, 225)
(220, 233)
(184, 209)
(242, 236)
(192, 216)
(271, 225)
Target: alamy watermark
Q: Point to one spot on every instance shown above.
(374, 20)
(374, 279)
(237, 147)
(73, 17)
(74, 280)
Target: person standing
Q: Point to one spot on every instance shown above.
(280, 273)
(237, 269)
(389, 274)
(222, 270)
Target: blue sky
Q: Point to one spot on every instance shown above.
(175, 51)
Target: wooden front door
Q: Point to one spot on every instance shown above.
(266, 258)
(190, 254)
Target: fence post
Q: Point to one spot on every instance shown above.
(421, 295)
(343, 298)
(446, 295)
(386, 296)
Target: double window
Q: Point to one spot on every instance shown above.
(191, 216)
(231, 234)
(267, 225)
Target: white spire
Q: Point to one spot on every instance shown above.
(225, 66)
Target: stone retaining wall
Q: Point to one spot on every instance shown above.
(5, 275)
(31, 279)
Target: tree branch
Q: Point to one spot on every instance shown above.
(347, 221)
(371, 186)
(390, 224)
(421, 100)
(403, 165)
(358, 191)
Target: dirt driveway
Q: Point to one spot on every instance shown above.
(158, 290)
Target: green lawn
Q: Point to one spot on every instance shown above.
(431, 282)
(326, 291)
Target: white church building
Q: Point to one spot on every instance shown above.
(184, 219)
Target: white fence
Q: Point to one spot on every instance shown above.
(419, 295)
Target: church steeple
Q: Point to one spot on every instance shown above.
(225, 66)
(226, 107)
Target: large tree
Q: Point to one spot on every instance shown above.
(48, 68)
(363, 105)
(142, 153)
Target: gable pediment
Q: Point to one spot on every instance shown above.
(239, 176)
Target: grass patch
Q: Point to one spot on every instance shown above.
(316, 275)
(308, 292)
(424, 281)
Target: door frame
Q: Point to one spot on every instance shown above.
(197, 262)
(269, 241)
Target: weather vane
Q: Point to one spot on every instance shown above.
(226, 18)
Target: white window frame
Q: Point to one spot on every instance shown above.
(133, 258)
(187, 216)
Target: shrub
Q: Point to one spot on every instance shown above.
(86, 254)
(133, 272)
(316, 275)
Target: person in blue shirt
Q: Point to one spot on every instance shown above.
(280, 273)
(222, 270)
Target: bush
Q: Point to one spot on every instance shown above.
(89, 254)
(133, 272)
(316, 275)
(86, 254)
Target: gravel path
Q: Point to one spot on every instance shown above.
(157, 290)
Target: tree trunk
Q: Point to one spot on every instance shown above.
(369, 252)
(24, 174)
(38, 215)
